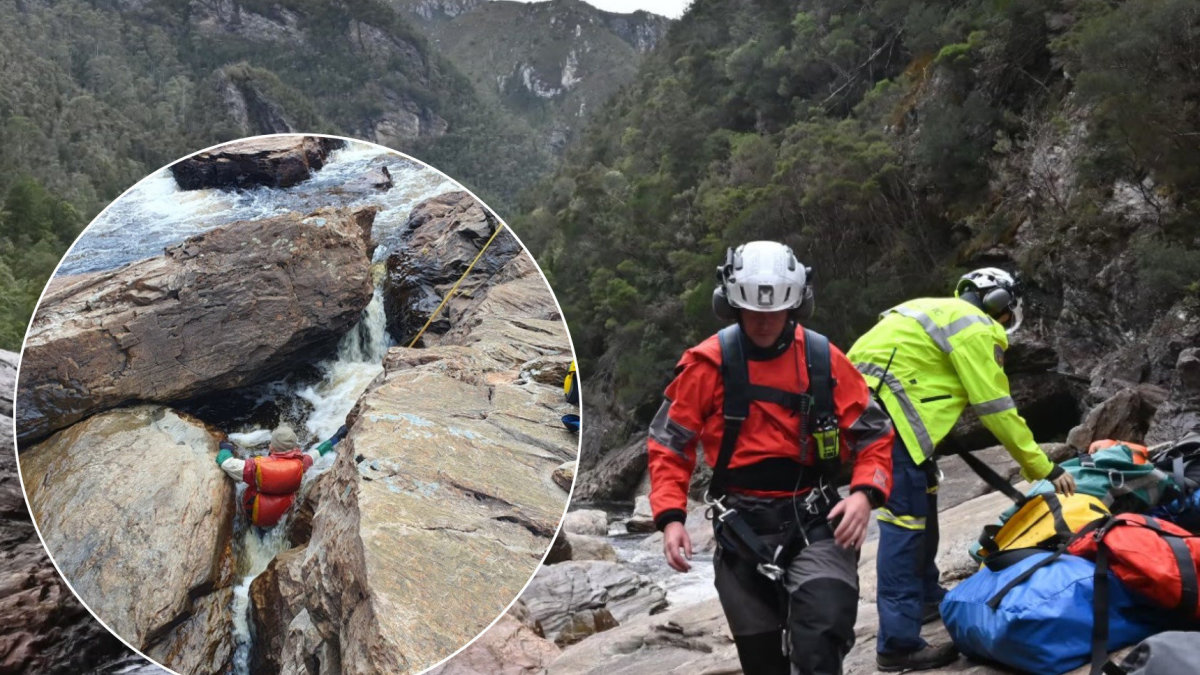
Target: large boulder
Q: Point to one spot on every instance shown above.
(139, 518)
(444, 234)
(613, 475)
(1180, 414)
(233, 306)
(563, 596)
(441, 502)
(278, 161)
(591, 522)
(1125, 416)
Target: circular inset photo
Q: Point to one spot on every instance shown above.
(295, 404)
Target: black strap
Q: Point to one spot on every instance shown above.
(750, 542)
(992, 478)
(820, 376)
(1060, 523)
(1005, 559)
(1021, 578)
(788, 399)
(736, 378)
(1100, 609)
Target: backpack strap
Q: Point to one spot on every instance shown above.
(736, 378)
(822, 422)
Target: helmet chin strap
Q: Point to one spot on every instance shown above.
(1018, 316)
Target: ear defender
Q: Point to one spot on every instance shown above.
(996, 302)
(721, 306)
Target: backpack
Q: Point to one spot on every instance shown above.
(1046, 521)
(1116, 475)
(1158, 560)
(1169, 653)
(1182, 461)
(1043, 623)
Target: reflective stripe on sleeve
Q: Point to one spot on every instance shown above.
(940, 335)
(669, 433)
(994, 406)
(906, 406)
(885, 515)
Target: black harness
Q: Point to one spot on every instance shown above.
(818, 423)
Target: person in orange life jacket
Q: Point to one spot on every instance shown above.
(272, 481)
(772, 477)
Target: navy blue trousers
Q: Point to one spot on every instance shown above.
(905, 566)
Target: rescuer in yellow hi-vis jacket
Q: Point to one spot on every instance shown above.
(928, 359)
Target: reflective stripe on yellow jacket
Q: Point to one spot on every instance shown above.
(948, 354)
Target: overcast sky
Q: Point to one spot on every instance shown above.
(671, 8)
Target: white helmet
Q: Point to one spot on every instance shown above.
(761, 276)
(999, 293)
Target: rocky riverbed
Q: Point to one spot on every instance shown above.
(607, 602)
(443, 488)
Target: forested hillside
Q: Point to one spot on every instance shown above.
(894, 145)
(95, 94)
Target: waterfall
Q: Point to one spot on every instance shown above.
(345, 377)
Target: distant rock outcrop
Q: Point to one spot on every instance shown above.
(153, 556)
(441, 502)
(223, 309)
(273, 161)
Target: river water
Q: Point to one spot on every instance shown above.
(315, 399)
(161, 214)
(643, 554)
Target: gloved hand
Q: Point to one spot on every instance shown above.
(225, 453)
(1063, 482)
(339, 435)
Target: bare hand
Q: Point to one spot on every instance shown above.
(855, 512)
(675, 537)
(1064, 484)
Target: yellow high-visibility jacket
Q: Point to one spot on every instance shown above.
(948, 354)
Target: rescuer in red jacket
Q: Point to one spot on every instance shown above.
(787, 544)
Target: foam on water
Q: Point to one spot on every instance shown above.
(159, 214)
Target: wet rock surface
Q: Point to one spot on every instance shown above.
(274, 162)
(441, 502)
(224, 309)
(152, 556)
(445, 235)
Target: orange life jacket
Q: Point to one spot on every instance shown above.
(271, 485)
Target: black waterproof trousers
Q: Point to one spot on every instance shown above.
(817, 602)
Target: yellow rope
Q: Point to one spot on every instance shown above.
(455, 287)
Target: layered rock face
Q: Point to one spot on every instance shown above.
(274, 162)
(447, 232)
(441, 502)
(153, 555)
(223, 309)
